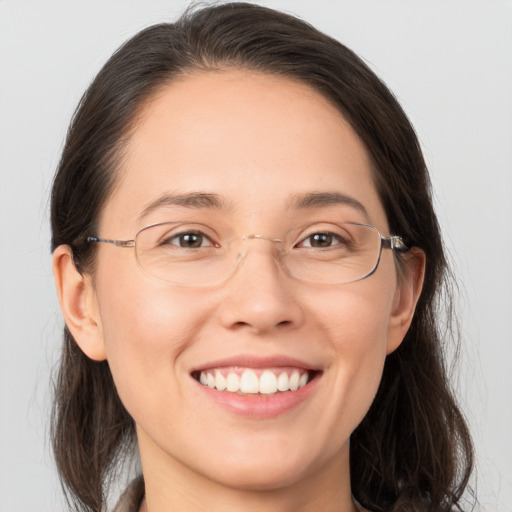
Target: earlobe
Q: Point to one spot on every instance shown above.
(78, 303)
(407, 296)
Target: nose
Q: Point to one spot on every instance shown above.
(260, 295)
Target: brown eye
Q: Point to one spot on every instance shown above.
(320, 240)
(192, 240)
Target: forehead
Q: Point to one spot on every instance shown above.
(254, 139)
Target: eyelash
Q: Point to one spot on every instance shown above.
(329, 234)
(177, 236)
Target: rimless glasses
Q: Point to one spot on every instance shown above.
(193, 254)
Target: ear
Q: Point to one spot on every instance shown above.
(410, 284)
(78, 303)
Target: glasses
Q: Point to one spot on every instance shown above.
(192, 254)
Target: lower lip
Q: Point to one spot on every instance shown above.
(258, 406)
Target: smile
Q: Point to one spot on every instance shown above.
(264, 381)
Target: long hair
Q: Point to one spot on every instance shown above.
(412, 451)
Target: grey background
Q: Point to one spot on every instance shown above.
(450, 64)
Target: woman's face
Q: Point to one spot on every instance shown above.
(256, 144)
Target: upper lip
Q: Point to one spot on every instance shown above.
(249, 361)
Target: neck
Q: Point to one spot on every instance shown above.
(171, 485)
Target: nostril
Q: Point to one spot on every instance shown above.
(240, 324)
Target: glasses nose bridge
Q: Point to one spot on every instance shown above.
(242, 253)
(257, 236)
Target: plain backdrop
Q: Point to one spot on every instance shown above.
(450, 64)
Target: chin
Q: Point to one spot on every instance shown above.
(260, 477)
(264, 468)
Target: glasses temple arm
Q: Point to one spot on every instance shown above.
(117, 243)
(395, 243)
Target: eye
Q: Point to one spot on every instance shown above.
(190, 240)
(321, 240)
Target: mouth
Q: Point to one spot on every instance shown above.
(257, 388)
(253, 381)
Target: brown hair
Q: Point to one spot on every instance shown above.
(412, 451)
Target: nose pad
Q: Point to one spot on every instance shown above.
(259, 294)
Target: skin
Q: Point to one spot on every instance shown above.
(256, 141)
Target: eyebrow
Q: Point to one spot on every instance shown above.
(320, 199)
(207, 200)
(188, 200)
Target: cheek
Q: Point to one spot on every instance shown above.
(356, 324)
(146, 327)
(357, 317)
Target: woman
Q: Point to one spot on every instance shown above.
(249, 265)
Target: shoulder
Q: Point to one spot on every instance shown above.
(132, 497)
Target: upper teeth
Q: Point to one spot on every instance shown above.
(249, 382)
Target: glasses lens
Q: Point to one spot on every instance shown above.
(343, 254)
(188, 255)
(185, 255)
